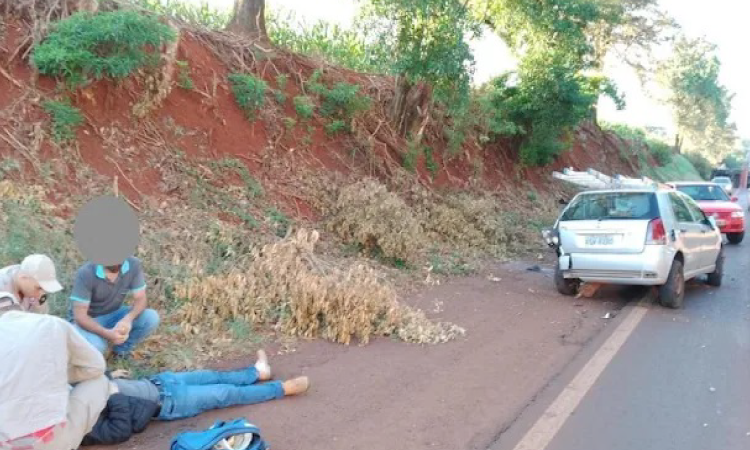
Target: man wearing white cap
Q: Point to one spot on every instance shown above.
(29, 283)
(52, 382)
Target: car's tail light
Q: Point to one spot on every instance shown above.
(657, 234)
(738, 215)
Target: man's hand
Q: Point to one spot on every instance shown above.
(124, 326)
(116, 337)
(120, 373)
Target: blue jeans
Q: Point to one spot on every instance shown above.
(188, 394)
(143, 326)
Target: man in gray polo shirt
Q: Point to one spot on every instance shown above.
(98, 306)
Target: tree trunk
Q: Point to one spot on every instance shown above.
(91, 6)
(409, 104)
(677, 144)
(249, 19)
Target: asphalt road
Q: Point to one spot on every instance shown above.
(681, 381)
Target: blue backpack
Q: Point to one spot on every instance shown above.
(206, 440)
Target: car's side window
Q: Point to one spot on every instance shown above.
(700, 217)
(681, 211)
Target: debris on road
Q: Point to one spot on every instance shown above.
(535, 268)
(494, 279)
(712, 389)
(608, 316)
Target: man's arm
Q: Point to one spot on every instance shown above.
(84, 361)
(83, 320)
(138, 290)
(81, 299)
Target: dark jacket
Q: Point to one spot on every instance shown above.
(122, 418)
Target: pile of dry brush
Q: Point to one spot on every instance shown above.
(288, 286)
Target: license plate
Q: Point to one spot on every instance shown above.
(601, 239)
(721, 223)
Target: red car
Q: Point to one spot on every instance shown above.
(715, 202)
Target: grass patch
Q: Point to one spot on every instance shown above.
(679, 169)
(304, 106)
(183, 76)
(337, 126)
(249, 92)
(65, 119)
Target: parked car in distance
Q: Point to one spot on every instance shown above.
(652, 236)
(725, 183)
(715, 202)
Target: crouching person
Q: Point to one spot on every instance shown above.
(41, 357)
(172, 396)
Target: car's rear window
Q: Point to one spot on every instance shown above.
(704, 193)
(613, 206)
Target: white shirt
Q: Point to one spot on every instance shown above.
(6, 282)
(37, 354)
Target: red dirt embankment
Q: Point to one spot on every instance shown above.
(205, 123)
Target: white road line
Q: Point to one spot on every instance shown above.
(545, 429)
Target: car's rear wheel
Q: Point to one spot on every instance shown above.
(714, 278)
(565, 286)
(735, 238)
(672, 293)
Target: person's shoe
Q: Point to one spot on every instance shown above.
(296, 386)
(262, 366)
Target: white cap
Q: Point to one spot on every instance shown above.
(42, 269)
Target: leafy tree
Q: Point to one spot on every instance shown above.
(554, 88)
(430, 47)
(630, 29)
(701, 105)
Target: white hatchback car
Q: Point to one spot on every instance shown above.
(643, 236)
(725, 183)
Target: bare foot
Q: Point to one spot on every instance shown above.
(262, 366)
(296, 386)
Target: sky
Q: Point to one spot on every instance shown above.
(723, 22)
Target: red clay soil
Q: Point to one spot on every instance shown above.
(388, 394)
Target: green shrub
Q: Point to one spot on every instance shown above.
(343, 101)
(701, 164)
(337, 126)
(411, 156)
(109, 44)
(289, 122)
(304, 106)
(183, 78)
(661, 152)
(340, 102)
(65, 119)
(279, 93)
(249, 91)
(429, 161)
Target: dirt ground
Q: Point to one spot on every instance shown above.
(460, 395)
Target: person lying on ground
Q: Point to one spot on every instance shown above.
(171, 396)
(40, 358)
(97, 306)
(30, 282)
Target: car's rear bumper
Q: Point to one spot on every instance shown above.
(648, 268)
